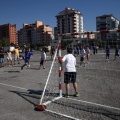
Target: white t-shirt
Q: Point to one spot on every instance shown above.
(70, 62)
(43, 56)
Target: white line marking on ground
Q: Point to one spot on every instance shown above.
(48, 102)
(95, 104)
(73, 118)
(13, 86)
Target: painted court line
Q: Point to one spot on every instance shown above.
(65, 98)
(95, 104)
(64, 115)
(13, 86)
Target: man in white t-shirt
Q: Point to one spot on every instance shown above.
(70, 72)
(43, 58)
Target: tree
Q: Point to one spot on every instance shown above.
(5, 42)
(0, 43)
(65, 43)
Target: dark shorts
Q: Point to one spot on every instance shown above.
(69, 77)
(107, 55)
(26, 60)
(82, 59)
(41, 62)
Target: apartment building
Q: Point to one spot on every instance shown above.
(34, 33)
(69, 21)
(9, 31)
(90, 36)
(107, 22)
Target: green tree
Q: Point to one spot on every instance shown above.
(65, 43)
(5, 42)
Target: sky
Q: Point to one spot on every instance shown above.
(28, 11)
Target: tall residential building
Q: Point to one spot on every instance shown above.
(34, 33)
(69, 21)
(9, 31)
(106, 22)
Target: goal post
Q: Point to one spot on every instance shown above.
(55, 63)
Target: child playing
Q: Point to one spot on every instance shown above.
(82, 56)
(116, 52)
(9, 58)
(43, 59)
(26, 58)
(87, 53)
(107, 51)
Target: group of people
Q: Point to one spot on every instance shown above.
(107, 51)
(82, 51)
(26, 57)
(9, 56)
(68, 60)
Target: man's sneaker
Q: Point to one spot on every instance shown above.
(66, 95)
(76, 94)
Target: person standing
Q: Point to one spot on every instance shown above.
(43, 59)
(2, 57)
(94, 49)
(75, 51)
(70, 72)
(116, 52)
(82, 56)
(87, 54)
(16, 55)
(107, 51)
(9, 58)
(52, 52)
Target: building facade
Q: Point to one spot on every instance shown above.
(69, 21)
(107, 22)
(9, 31)
(34, 33)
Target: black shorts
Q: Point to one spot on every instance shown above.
(82, 59)
(69, 77)
(41, 62)
(107, 55)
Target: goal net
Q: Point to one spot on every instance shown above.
(98, 83)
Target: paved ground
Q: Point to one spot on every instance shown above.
(98, 83)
